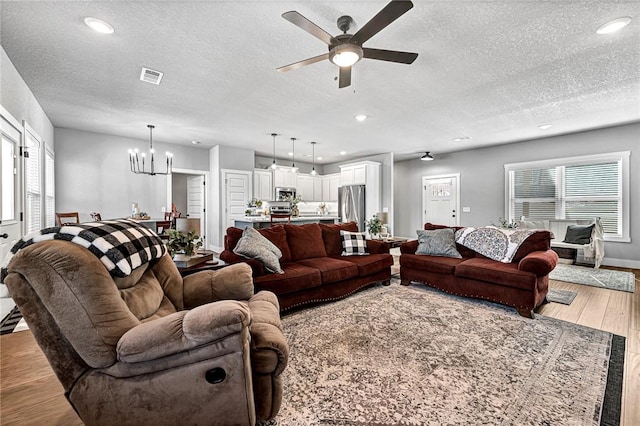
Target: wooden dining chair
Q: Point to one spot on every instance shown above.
(65, 218)
(280, 216)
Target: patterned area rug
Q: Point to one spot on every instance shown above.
(561, 296)
(415, 356)
(603, 278)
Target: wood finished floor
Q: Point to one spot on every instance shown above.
(31, 395)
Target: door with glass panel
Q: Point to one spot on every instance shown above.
(10, 228)
(440, 199)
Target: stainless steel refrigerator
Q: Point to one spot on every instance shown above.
(351, 206)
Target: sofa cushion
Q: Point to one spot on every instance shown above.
(371, 264)
(506, 274)
(332, 270)
(437, 242)
(296, 277)
(464, 251)
(331, 236)
(276, 234)
(353, 243)
(255, 246)
(436, 264)
(305, 241)
(578, 234)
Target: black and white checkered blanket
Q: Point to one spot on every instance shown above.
(121, 245)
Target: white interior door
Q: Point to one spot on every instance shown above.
(10, 169)
(195, 199)
(237, 190)
(440, 199)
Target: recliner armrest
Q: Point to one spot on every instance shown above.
(182, 331)
(540, 263)
(232, 282)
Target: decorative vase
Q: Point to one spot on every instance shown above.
(295, 212)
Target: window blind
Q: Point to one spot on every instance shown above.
(33, 184)
(49, 186)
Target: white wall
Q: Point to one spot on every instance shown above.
(92, 174)
(17, 99)
(482, 180)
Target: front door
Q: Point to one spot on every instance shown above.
(440, 199)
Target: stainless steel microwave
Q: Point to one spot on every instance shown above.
(283, 194)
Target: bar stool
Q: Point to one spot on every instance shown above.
(280, 216)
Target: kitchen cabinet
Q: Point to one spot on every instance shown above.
(353, 174)
(330, 185)
(263, 185)
(304, 188)
(284, 177)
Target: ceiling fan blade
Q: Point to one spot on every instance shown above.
(301, 64)
(344, 78)
(390, 55)
(387, 15)
(297, 19)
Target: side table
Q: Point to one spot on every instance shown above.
(210, 265)
(394, 242)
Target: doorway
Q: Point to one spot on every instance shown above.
(186, 190)
(441, 199)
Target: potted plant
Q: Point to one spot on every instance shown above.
(295, 212)
(374, 226)
(181, 243)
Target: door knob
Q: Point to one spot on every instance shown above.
(5, 235)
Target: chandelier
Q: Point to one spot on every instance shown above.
(135, 158)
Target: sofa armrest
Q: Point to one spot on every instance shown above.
(377, 247)
(409, 247)
(256, 266)
(183, 331)
(233, 282)
(540, 263)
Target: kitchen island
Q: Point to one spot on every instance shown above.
(259, 222)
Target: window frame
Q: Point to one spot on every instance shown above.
(622, 157)
(37, 151)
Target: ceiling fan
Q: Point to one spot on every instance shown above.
(347, 49)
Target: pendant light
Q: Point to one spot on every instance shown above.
(313, 169)
(274, 165)
(294, 169)
(134, 159)
(427, 157)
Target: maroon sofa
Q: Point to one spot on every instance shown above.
(314, 270)
(523, 283)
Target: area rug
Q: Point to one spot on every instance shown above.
(415, 356)
(561, 296)
(603, 278)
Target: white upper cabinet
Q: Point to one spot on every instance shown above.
(304, 189)
(353, 174)
(330, 184)
(284, 177)
(263, 185)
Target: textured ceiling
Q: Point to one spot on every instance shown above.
(491, 70)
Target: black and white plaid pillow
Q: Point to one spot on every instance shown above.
(353, 243)
(121, 245)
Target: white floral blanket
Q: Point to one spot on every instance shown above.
(495, 243)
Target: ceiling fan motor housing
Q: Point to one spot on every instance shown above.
(344, 23)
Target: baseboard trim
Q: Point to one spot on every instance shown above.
(621, 263)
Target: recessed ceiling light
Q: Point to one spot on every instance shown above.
(195, 142)
(343, 152)
(319, 158)
(99, 25)
(544, 126)
(613, 26)
(290, 154)
(360, 117)
(462, 138)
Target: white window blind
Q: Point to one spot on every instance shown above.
(49, 187)
(33, 184)
(572, 188)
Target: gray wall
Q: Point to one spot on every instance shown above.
(92, 174)
(17, 99)
(303, 167)
(482, 179)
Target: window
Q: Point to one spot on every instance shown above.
(33, 181)
(573, 188)
(49, 189)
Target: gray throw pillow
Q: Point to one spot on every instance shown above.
(578, 234)
(439, 242)
(254, 245)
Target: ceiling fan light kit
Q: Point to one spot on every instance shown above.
(345, 49)
(134, 159)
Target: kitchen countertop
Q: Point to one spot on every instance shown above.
(263, 218)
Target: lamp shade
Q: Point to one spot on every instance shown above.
(383, 217)
(185, 224)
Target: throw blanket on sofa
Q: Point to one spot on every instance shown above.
(495, 243)
(121, 245)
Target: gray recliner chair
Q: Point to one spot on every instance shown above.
(152, 347)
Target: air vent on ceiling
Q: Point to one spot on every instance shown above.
(151, 76)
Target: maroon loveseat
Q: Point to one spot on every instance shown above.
(523, 283)
(314, 270)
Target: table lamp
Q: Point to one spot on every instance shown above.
(185, 224)
(383, 217)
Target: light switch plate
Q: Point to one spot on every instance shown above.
(466, 210)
